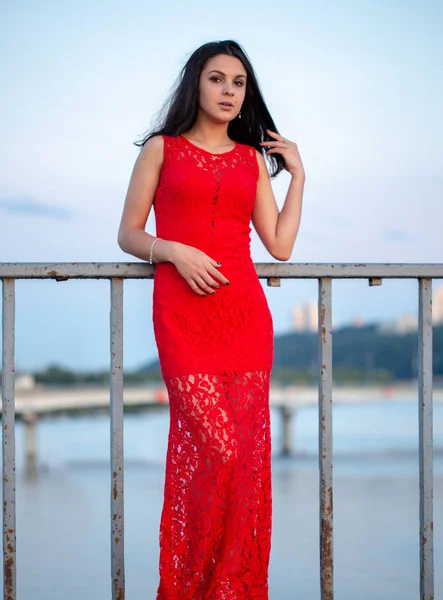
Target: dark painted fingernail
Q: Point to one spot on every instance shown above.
(212, 293)
(227, 283)
(203, 295)
(219, 263)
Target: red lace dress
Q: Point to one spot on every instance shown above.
(216, 355)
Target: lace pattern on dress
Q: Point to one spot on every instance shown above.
(178, 148)
(215, 532)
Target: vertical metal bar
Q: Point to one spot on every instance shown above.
(325, 438)
(425, 439)
(117, 485)
(8, 422)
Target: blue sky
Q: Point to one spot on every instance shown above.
(356, 84)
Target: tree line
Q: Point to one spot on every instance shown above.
(360, 355)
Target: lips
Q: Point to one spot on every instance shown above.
(226, 104)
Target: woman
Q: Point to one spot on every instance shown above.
(204, 173)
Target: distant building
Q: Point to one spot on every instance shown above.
(406, 323)
(358, 321)
(25, 381)
(437, 306)
(409, 322)
(305, 316)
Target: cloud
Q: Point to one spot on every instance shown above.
(33, 208)
(397, 235)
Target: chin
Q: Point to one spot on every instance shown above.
(220, 120)
(216, 117)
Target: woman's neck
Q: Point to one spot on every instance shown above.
(209, 133)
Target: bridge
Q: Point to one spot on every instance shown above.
(44, 402)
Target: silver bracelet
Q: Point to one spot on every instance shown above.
(151, 251)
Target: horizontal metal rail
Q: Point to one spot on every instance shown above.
(142, 270)
(325, 273)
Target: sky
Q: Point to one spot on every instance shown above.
(356, 84)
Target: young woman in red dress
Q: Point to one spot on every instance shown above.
(203, 171)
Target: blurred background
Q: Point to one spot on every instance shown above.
(358, 86)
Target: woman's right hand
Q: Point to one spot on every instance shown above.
(198, 269)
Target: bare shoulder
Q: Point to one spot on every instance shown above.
(261, 162)
(152, 150)
(259, 156)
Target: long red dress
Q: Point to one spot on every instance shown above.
(216, 355)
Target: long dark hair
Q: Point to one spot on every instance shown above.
(179, 113)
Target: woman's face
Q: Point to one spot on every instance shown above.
(222, 87)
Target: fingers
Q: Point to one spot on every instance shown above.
(279, 137)
(272, 143)
(273, 150)
(203, 283)
(214, 263)
(219, 276)
(200, 281)
(206, 283)
(213, 270)
(276, 147)
(195, 287)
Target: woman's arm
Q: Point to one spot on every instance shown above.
(132, 237)
(198, 269)
(278, 230)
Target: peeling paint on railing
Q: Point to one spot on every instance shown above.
(274, 273)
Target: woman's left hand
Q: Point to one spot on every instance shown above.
(288, 150)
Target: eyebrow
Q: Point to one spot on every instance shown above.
(221, 73)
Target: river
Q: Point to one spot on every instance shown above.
(63, 516)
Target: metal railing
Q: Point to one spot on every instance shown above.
(324, 273)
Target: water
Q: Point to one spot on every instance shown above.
(63, 518)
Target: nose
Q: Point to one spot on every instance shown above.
(228, 90)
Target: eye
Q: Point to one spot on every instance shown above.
(214, 77)
(239, 82)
